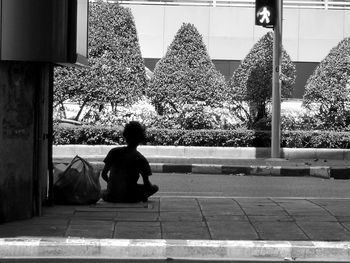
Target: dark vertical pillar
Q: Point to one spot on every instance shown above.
(23, 144)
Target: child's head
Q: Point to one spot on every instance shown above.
(134, 133)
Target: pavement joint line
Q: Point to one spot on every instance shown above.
(295, 222)
(68, 248)
(333, 215)
(249, 220)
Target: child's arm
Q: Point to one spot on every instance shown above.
(105, 172)
(146, 181)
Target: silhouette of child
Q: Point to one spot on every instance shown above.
(125, 164)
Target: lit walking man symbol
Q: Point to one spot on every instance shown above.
(264, 15)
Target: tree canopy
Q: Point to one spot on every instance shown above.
(186, 74)
(252, 80)
(327, 91)
(116, 72)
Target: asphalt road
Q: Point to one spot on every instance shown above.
(249, 186)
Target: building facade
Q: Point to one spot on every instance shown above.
(310, 30)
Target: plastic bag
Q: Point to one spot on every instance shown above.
(78, 184)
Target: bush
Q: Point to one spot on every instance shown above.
(186, 75)
(87, 135)
(141, 111)
(252, 80)
(197, 116)
(226, 138)
(328, 90)
(116, 72)
(315, 139)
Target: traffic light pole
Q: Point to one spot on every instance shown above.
(276, 83)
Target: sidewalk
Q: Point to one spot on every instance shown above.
(195, 218)
(200, 229)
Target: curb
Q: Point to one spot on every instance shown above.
(324, 172)
(206, 152)
(160, 249)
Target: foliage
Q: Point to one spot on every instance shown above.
(252, 81)
(315, 139)
(225, 138)
(200, 116)
(186, 75)
(327, 91)
(197, 116)
(116, 72)
(301, 119)
(141, 111)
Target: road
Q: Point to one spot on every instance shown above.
(249, 186)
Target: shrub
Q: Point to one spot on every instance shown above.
(197, 116)
(116, 72)
(142, 111)
(252, 81)
(226, 138)
(186, 75)
(327, 91)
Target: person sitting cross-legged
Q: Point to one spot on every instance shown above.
(125, 165)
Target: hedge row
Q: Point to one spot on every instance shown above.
(233, 138)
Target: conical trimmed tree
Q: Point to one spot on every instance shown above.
(252, 80)
(186, 74)
(117, 73)
(327, 91)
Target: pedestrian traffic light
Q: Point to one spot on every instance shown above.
(265, 12)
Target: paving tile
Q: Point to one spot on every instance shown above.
(220, 207)
(225, 217)
(32, 230)
(187, 235)
(137, 216)
(222, 211)
(257, 200)
(274, 210)
(90, 222)
(136, 230)
(183, 226)
(172, 204)
(133, 224)
(306, 212)
(239, 230)
(39, 221)
(185, 230)
(58, 210)
(89, 233)
(279, 231)
(315, 218)
(343, 212)
(151, 205)
(343, 218)
(327, 231)
(217, 201)
(97, 209)
(271, 218)
(103, 204)
(85, 229)
(181, 216)
(95, 214)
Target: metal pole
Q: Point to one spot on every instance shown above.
(276, 84)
